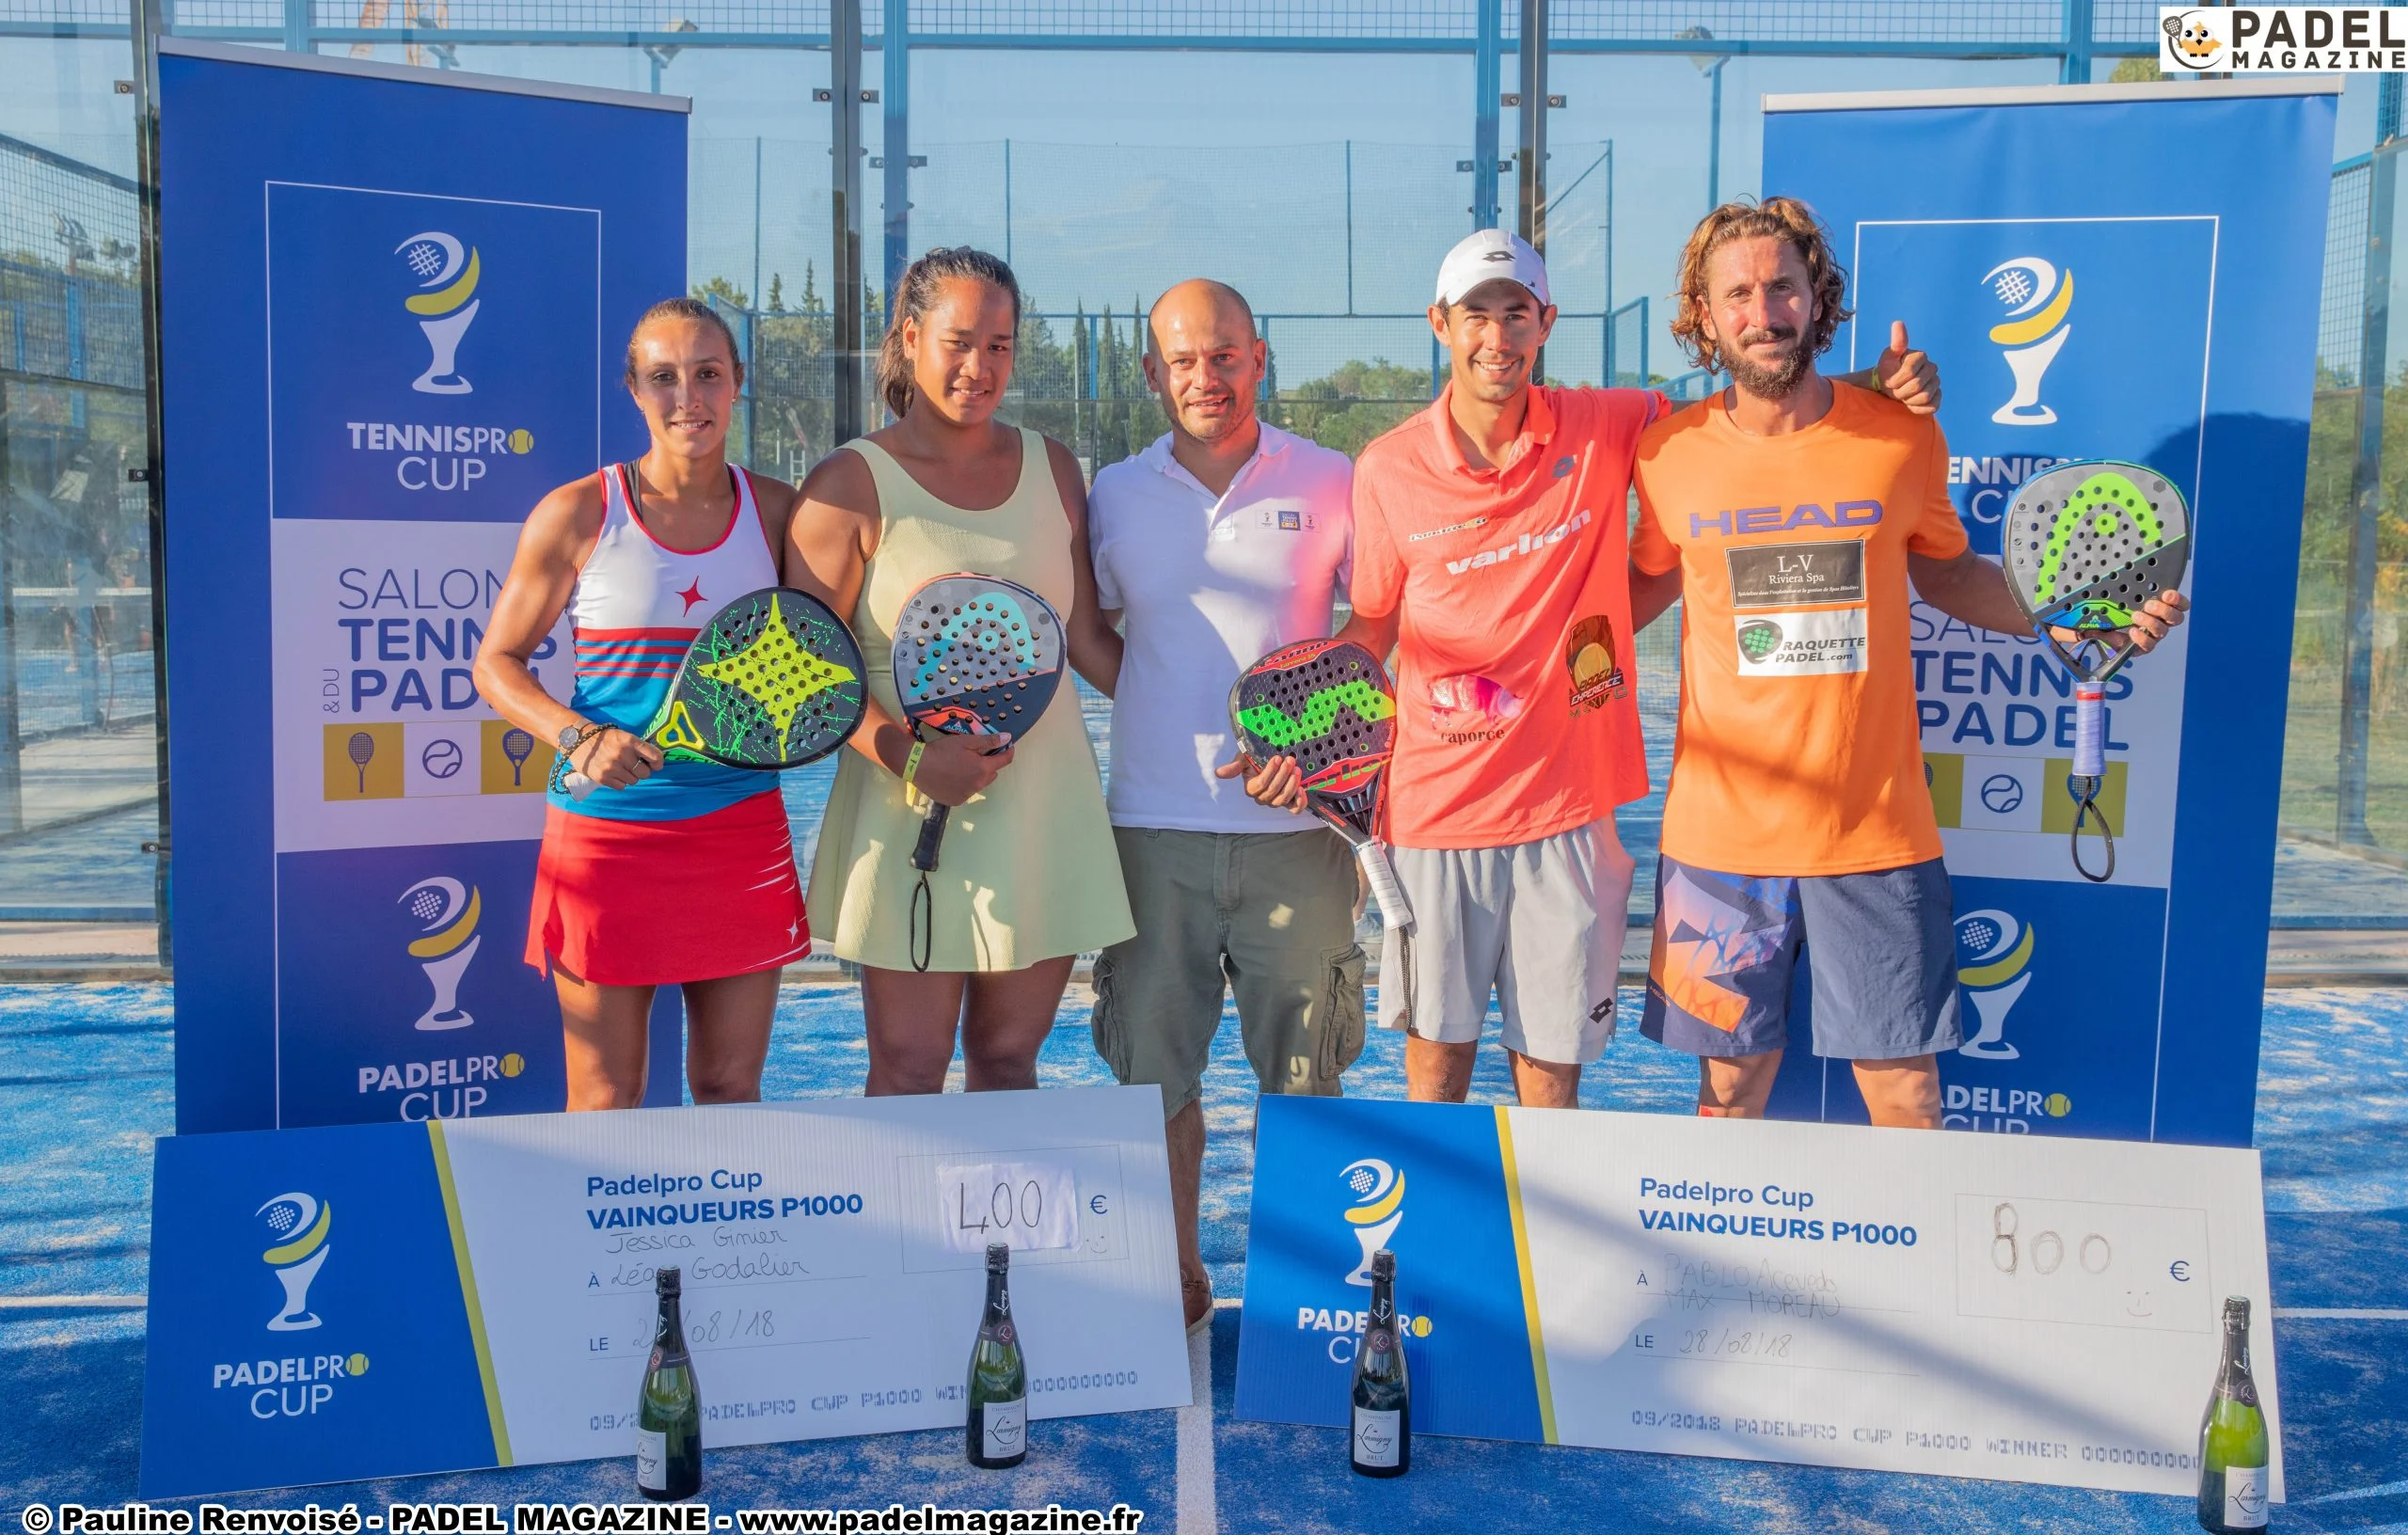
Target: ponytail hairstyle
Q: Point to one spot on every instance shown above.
(692, 309)
(916, 295)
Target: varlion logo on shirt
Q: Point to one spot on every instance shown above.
(1801, 645)
(1527, 543)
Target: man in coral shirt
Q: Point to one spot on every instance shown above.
(1790, 511)
(1491, 556)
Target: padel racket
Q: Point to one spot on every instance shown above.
(2086, 545)
(971, 653)
(774, 680)
(1329, 706)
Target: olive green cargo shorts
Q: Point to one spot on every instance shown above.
(1270, 917)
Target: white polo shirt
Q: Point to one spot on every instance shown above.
(1209, 586)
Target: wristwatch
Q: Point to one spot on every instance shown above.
(571, 735)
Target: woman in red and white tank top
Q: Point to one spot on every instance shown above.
(673, 872)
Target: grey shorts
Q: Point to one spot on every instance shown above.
(1540, 924)
(1268, 915)
(1879, 948)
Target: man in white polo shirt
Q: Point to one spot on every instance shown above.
(1223, 541)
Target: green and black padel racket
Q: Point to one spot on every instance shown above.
(2085, 545)
(1329, 706)
(774, 680)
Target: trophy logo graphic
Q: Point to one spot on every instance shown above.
(1993, 965)
(1379, 1194)
(447, 303)
(2036, 296)
(448, 911)
(299, 1222)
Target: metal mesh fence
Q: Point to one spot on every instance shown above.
(2340, 328)
(69, 305)
(75, 650)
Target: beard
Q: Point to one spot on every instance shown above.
(1774, 381)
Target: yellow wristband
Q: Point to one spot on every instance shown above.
(912, 763)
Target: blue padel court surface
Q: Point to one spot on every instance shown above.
(85, 1083)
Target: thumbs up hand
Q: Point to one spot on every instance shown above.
(1907, 376)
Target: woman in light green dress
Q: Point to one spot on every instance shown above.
(1029, 876)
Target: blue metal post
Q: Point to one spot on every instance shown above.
(1008, 202)
(1488, 91)
(1714, 137)
(1350, 226)
(894, 50)
(296, 26)
(2075, 68)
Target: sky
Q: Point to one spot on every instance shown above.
(1131, 170)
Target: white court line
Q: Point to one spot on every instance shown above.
(90, 1303)
(2386, 1490)
(1200, 1508)
(2339, 1313)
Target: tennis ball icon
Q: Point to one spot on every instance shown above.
(512, 1064)
(1421, 1326)
(357, 1364)
(522, 441)
(2058, 1106)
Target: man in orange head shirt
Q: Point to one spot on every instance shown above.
(1790, 511)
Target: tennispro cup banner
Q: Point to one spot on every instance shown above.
(2084, 303)
(394, 306)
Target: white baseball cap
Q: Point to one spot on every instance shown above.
(1486, 254)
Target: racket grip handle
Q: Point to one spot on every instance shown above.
(578, 786)
(924, 856)
(1394, 909)
(2089, 730)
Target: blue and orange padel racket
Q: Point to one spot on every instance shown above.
(1329, 706)
(774, 680)
(2085, 545)
(971, 653)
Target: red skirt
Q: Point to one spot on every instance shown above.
(654, 903)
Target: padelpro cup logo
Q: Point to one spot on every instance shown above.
(299, 1225)
(2280, 40)
(1374, 1209)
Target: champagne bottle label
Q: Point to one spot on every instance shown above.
(652, 1460)
(1005, 1427)
(1377, 1437)
(2244, 1497)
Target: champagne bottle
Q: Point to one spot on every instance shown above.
(669, 1416)
(998, 1376)
(2233, 1478)
(1382, 1444)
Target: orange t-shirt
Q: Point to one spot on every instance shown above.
(1515, 713)
(1799, 752)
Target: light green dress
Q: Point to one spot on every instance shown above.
(1028, 870)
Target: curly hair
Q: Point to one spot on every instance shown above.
(1782, 218)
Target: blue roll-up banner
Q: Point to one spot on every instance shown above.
(392, 300)
(2090, 292)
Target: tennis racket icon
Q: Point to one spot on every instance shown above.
(362, 750)
(518, 746)
(971, 653)
(1329, 706)
(774, 680)
(2086, 545)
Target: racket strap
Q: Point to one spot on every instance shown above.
(922, 924)
(2085, 807)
